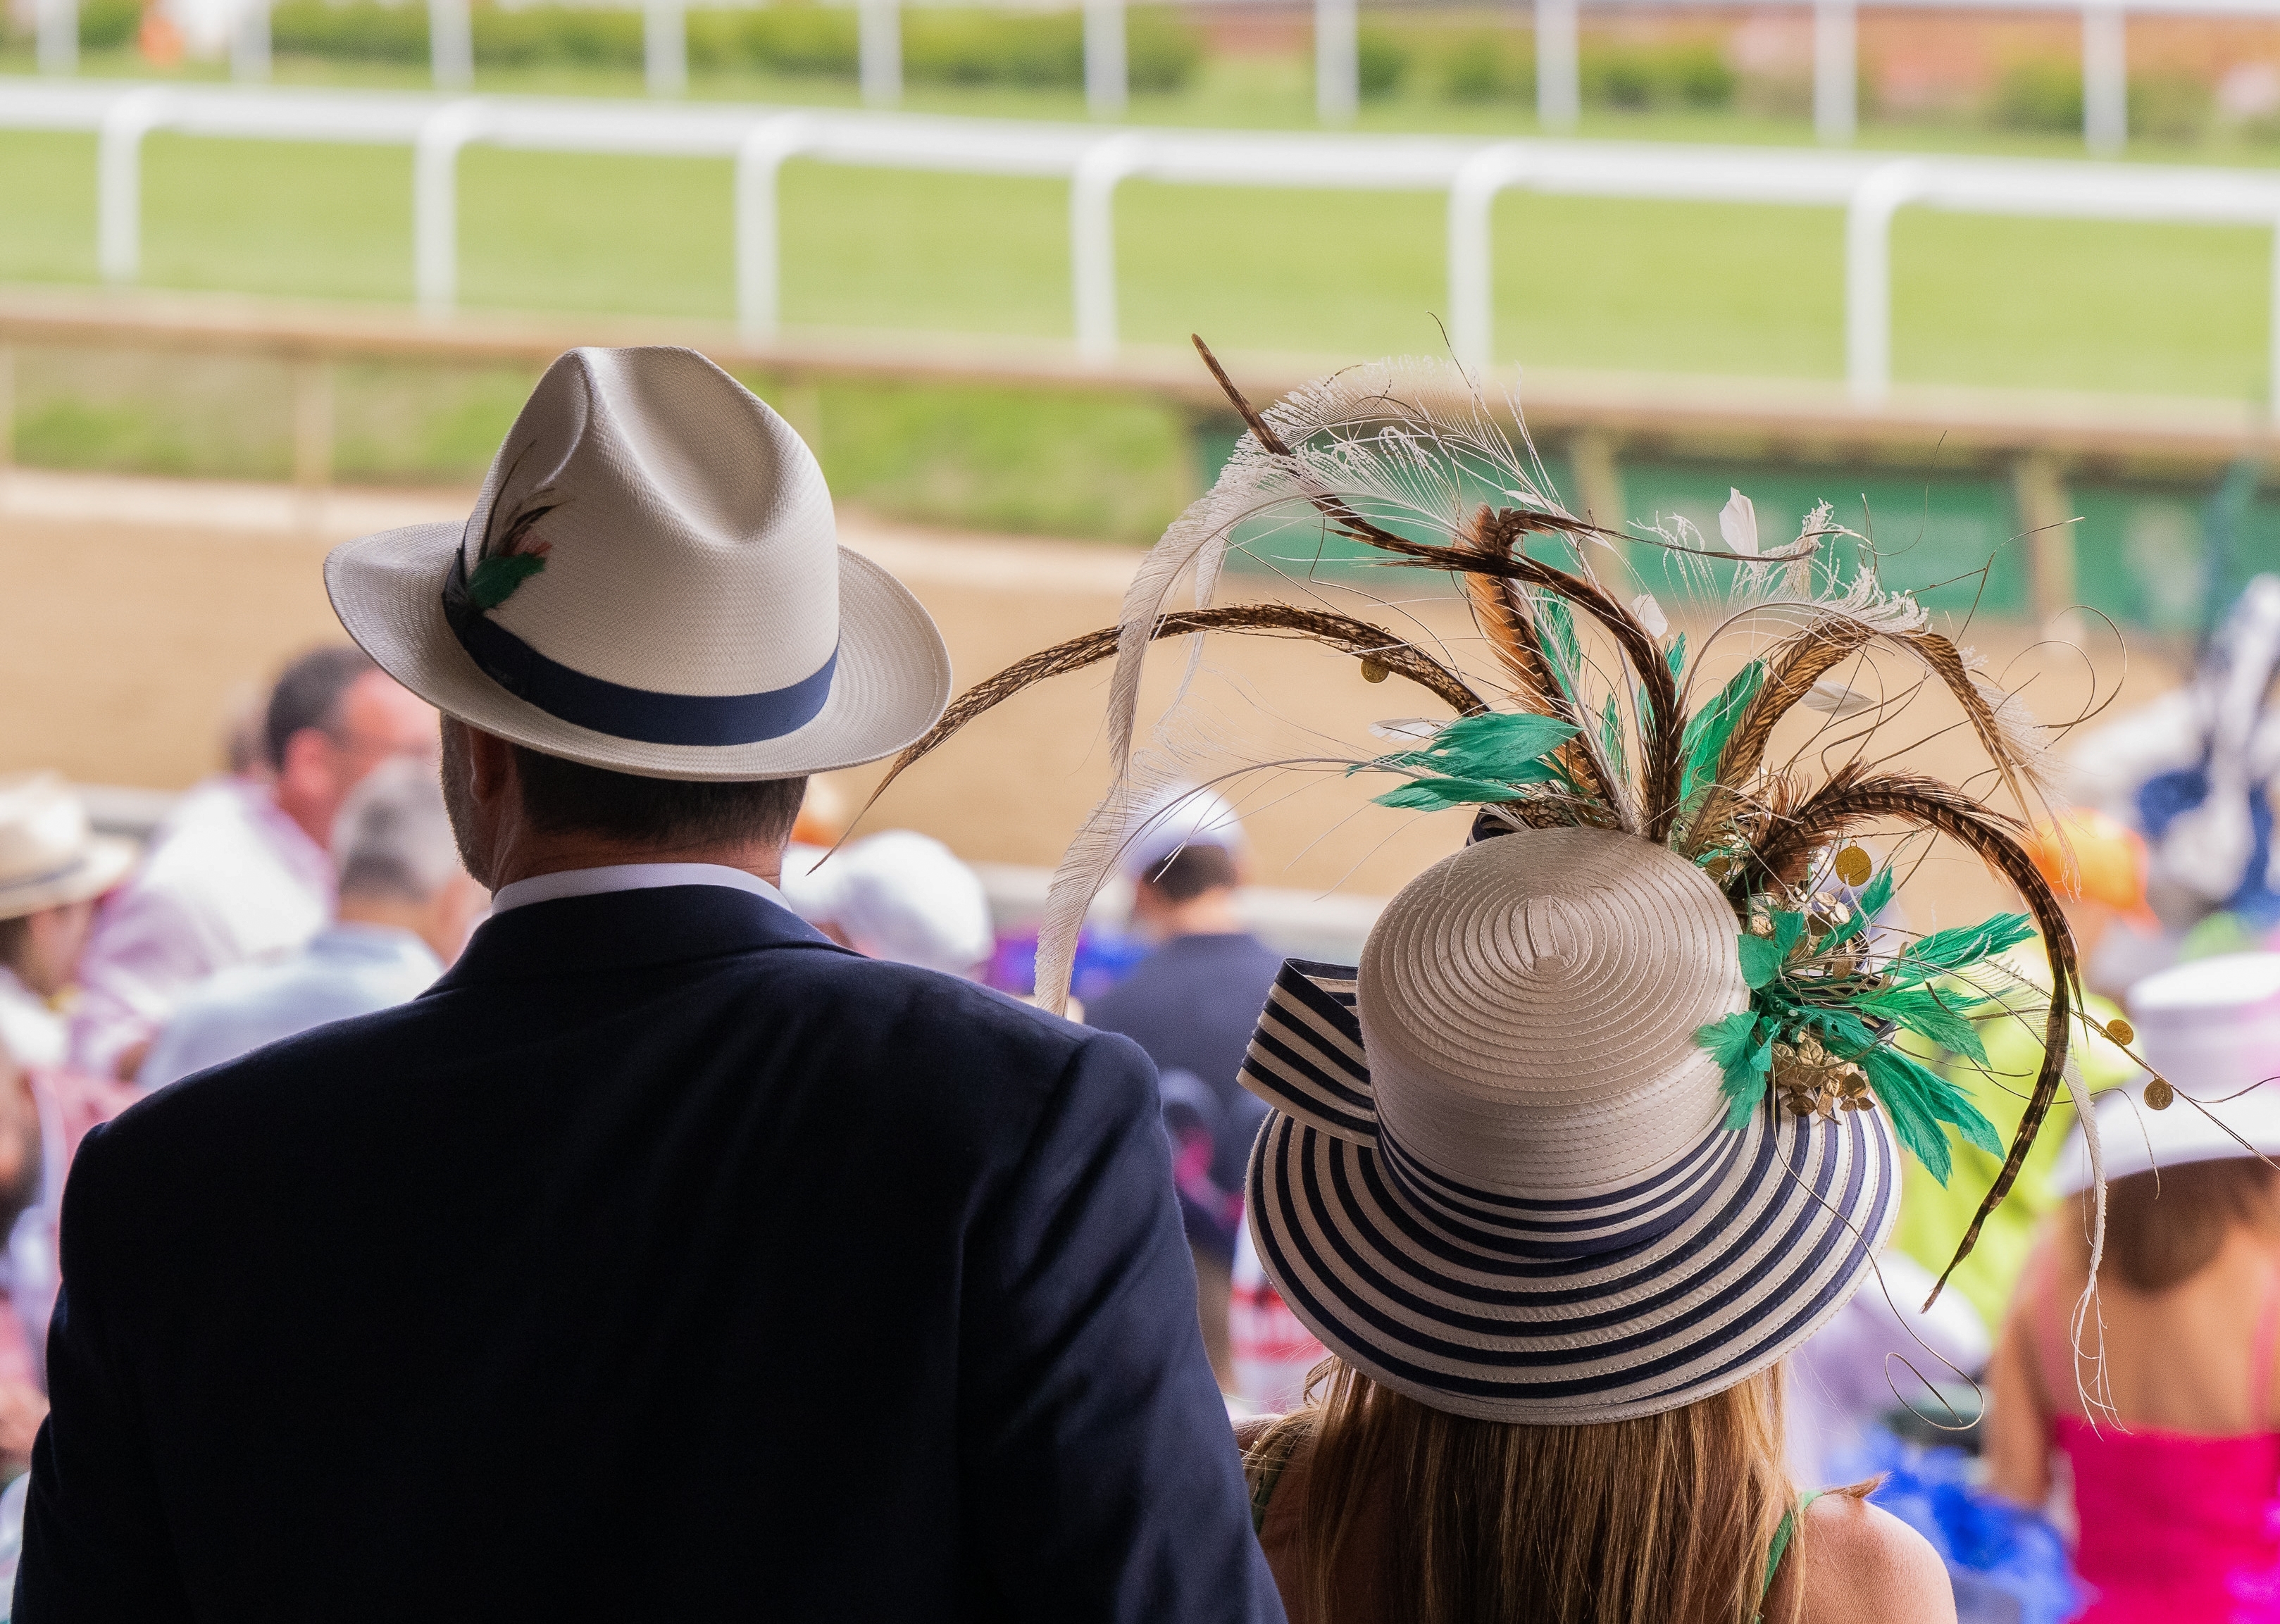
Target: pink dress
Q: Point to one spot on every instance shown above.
(2176, 1528)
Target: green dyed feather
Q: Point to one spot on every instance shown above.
(1441, 794)
(496, 577)
(1555, 635)
(1762, 957)
(1944, 952)
(1611, 736)
(1944, 1018)
(1477, 758)
(1918, 1100)
(1709, 727)
(1745, 1058)
(1676, 655)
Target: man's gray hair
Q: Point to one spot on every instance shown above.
(393, 838)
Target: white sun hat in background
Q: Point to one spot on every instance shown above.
(650, 581)
(49, 853)
(2211, 1029)
(897, 894)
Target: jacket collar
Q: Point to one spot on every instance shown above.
(624, 930)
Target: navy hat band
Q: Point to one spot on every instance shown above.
(623, 713)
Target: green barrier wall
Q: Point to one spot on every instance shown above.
(2154, 557)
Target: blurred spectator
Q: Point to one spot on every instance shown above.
(239, 871)
(898, 896)
(2195, 770)
(2175, 1455)
(45, 1113)
(1270, 1349)
(52, 867)
(822, 817)
(1192, 1003)
(2098, 866)
(245, 735)
(406, 906)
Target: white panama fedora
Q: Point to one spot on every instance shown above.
(650, 581)
(48, 855)
(2212, 1027)
(1497, 1177)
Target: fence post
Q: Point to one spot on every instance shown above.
(59, 26)
(2105, 78)
(1596, 464)
(665, 46)
(1107, 78)
(1337, 61)
(436, 203)
(249, 41)
(451, 44)
(759, 248)
(1836, 71)
(119, 183)
(1472, 288)
(1559, 77)
(879, 42)
(1868, 277)
(2039, 496)
(1092, 242)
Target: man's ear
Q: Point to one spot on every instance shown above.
(490, 766)
(308, 756)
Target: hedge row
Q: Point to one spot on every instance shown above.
(951, 47)
(2047, 95)
(1500, 65)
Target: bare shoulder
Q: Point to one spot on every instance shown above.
(1862, 1562)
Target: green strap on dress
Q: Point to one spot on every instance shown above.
(1264, 1470)
(1782, 1535)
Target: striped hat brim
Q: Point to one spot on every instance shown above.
(1624, 1302)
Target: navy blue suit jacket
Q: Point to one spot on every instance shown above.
(664, 1261)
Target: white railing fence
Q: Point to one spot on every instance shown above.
(1337, 75)
(1869, 189)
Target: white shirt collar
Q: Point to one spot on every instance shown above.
(630, 877)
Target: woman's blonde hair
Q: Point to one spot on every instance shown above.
(1666, 1519)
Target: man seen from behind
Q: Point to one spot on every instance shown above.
(665, 1260)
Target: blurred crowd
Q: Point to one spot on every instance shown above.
(2064, 1463)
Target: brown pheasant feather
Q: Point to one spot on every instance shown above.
(1503, 616)
(1397, 656)
(1804, 659)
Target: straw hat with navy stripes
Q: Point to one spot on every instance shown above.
(1498, 1176)
(1610, 1115)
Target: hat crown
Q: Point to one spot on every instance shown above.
(685, 534)
(2212, 1026)
(44, 828)
(1530, 1008)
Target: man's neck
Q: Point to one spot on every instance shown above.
(535, 854)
